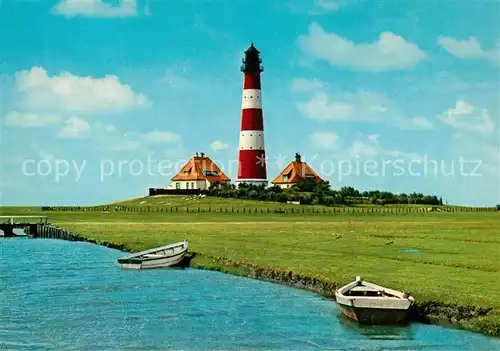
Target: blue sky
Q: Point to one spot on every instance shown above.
(373, 94)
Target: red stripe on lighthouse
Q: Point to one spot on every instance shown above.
(252, 81)
(251, 119)
(252, 165)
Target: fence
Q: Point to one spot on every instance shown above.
(153, 192)
(48, 231)
(264, 210)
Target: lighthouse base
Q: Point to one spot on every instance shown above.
(258, 182)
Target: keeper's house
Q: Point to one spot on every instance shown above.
(296, 172)
(198, 173)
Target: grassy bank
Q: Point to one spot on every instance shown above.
(178, 204)
(212, 201)
(448, 261)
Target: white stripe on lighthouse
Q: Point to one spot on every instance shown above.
(251, 99)
(252, 140)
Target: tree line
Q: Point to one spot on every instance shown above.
(311, 193)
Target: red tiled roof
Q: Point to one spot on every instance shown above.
(297, 172)
(201, 168)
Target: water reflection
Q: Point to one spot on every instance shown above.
(378, 332)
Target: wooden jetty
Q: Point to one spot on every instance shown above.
(28, 223)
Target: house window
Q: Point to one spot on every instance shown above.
(192, 185)
(177, 185)
(285, 177)
(187, 185)
(210, 173)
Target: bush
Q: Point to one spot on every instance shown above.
(253, 195)
(305, 199)
(311, 193)
(242, 192)
(273, 197)
(282, 197)
(265, 196)
(328, 200)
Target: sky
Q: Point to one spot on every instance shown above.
(101, 100)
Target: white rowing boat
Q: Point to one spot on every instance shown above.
(163, 256)
(369, 303)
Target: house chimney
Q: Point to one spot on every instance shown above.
(297, 157)
(202, 154)
(196, 155)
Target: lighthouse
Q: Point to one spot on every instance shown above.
(251, 153)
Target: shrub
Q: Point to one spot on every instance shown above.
(305, 199)
(253, 195)
(265, 196)
(282, 197)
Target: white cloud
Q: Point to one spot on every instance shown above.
(315, 7)
(73, 94)
(466, 116)
(159, 137)
(361, 148)
(95, 8)
(322, 105)
(370, 146)
(329, 5)
(324, 140)
(75, 128)
(110, 138)
(378, 108)
(420, 123)
(468, 48)
(389, 52)
(104, 127)
(124, 145)
(23, 119)
(217, 145)
(300, 85)
(373, 137)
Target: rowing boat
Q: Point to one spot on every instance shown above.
(158, 257)
(369, 303)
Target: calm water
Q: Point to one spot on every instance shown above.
(58, 295)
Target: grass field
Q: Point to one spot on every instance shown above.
(457, 258)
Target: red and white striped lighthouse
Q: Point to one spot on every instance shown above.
(252, 154)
